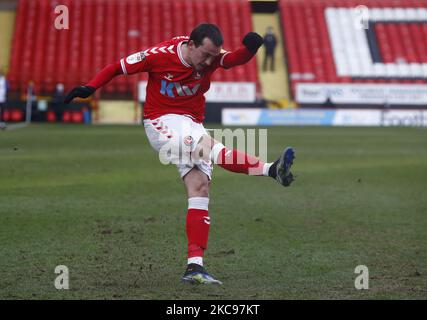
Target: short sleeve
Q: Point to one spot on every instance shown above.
(136, 62)
(219, 61)
(223, 55)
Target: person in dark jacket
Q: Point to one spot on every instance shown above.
(270, 42)
(58, 102)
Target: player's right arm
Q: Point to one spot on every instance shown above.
(132, 64)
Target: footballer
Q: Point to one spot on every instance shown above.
(180, 73)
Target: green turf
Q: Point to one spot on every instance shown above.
(96, 199)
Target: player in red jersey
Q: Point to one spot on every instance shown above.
(179, 74)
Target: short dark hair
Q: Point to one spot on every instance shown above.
(207, 30)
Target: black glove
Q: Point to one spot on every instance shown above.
(253, 41)
(80, 92)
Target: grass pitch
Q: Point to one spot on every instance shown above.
(97, 200)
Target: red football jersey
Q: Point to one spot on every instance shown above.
(173, 85)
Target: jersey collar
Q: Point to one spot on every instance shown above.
(181, 58)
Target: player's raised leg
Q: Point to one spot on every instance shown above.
(236, 161)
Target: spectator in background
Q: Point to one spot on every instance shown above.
(4, 87)
(58, 102)
(31, 97)
(270, 42)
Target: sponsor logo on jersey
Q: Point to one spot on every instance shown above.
(135, 58)
(172, 88)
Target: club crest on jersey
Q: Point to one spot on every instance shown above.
(172, 88)
(168, 76)
(188, 140)
(135, 58)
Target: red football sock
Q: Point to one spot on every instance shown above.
(197, 226)
(240, 162)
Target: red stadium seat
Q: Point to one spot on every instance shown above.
(77, 116)
(66, 116)
(6, 115)
(16, 115)
(51, 117)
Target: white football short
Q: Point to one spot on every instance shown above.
(175, 137)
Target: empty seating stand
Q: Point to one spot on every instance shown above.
(323, 45)
(101, 32)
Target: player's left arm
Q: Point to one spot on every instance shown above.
(251, 43)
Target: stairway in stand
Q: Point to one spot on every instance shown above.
(274, 84)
